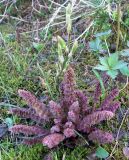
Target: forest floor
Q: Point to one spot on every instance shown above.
(28, 60)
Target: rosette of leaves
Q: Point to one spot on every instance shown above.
(112, 65)
(69, 117)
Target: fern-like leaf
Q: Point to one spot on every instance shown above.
(101, 136)
(33, 102)
(83, 102)
(32, 141)
(95, 118)
(107, 101)
(68, 132)
(55, 109)
(97, 92)
(26, 113)
(52, 140)
(73, 117)
(28, 130)
(75, 107)
(69, 125)
(113, 106)
(68, 86)
(55, 128)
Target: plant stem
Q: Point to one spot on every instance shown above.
(118, 26)
(107, 47)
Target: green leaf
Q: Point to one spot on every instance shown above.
(60, 54)
(103, 61)
(101, 153)
(113, 60)
(68, 18)
(38, 46)
(125, 71)
(128, 43)
(120, 65)
(69, 9)
(9, 122)
(95, 45)
(112, 73)
(103, 34)
(74, 47)
(125, 52)
(61, 42)
(101, 68)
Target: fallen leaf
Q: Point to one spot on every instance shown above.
(101, 153)
(126, 152)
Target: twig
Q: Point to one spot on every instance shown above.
(4, 15)
(53, 17)
(117, 137)
(127, 82)
(87, 29)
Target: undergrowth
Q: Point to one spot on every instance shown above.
(24, 65)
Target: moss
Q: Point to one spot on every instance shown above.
(79, 153)
(118, 153)
(23, 152)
